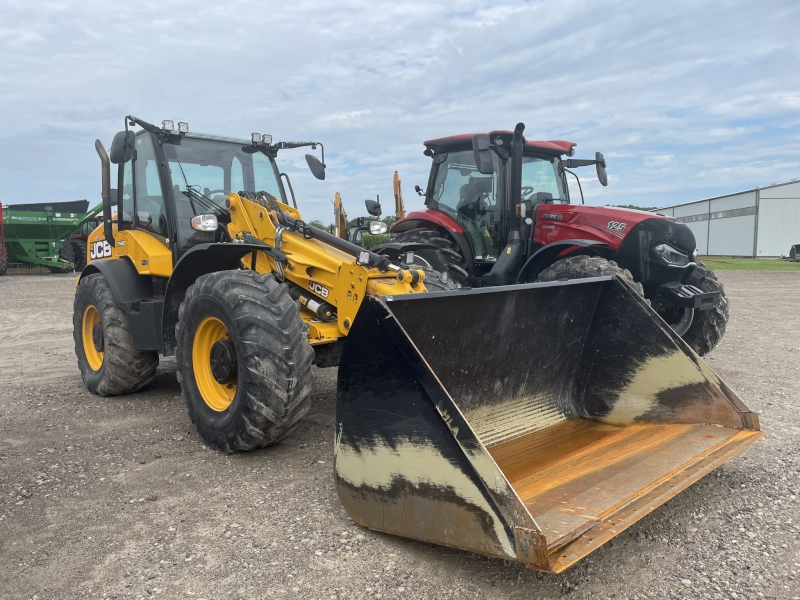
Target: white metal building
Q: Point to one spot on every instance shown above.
(760, 222)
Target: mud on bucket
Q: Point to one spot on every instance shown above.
(532, 422)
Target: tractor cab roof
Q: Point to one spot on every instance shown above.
(453, 142)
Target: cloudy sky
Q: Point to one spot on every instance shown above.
(686, 99)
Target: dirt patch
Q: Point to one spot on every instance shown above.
(119, 498)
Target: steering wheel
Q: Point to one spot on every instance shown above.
(527, 190)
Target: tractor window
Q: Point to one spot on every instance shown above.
(472, 199)
(151, 212)
(125, 187)
(539, 175)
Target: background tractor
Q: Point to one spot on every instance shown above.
(493, 420)
(499, 212)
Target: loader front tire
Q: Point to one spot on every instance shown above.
(244, 361)
(109, 362)
(446, 258)
(706, 327)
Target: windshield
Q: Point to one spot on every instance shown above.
(539, 175)
(216, 168)
(204, 172)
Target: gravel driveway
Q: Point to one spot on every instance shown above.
(119, 498)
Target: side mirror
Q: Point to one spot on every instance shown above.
(482, 153)
(373, 207)
(601, 168)
(317, 168)
(122, 147)
(377, 227)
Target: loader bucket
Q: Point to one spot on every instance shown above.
(532, 422)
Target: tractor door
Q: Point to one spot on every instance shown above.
(472, 199)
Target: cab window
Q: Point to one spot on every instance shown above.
(125, 196)
(539, 175)
(151, 210)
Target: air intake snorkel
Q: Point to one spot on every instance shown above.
(511, 257)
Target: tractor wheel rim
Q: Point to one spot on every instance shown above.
(683, 324)
(211, 333)
(91, 323)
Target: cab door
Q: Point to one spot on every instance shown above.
(143, 212)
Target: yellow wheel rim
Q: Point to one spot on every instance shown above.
(218, 396)
(93, 356)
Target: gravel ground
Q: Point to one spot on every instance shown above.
(119, 498)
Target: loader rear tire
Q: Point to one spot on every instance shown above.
(707, 326)
(445, 259)
(109, 362)
(3, 266)
(581, 267)
(253, 392)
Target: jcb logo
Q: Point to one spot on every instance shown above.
(318, 289)
(100, 249)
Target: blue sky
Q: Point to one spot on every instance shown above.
(686, 99)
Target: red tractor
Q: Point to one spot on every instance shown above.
(499, 213)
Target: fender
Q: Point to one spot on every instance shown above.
(199, 260)
(133, 293)
(419, 220)
(434, 219)
(394, 249)
(549, 254)
(124, 280)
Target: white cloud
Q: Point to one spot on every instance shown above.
(710, 85)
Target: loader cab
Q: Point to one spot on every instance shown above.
(175, 177)
(480, 202)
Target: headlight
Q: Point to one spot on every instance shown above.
(671, 256)
(205, 222)
(377, 227)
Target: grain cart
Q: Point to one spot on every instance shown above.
(74, 246)
(498, 210)
(35, 233)
(531, 422)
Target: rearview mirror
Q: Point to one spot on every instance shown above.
(482, 153)
(373, 207)
(601, 168)
(377, 227)
(122, 147)
(317, 168)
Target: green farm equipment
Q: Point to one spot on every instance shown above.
(35, 233)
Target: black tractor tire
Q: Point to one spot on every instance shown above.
(446, 258)
(79, 260)
(707, 326)
(581, 267)
(271, 354)
(436, 281)
(67, 251)
(3, 266)
(124, 369)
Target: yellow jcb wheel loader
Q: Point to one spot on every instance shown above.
(531, 422)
